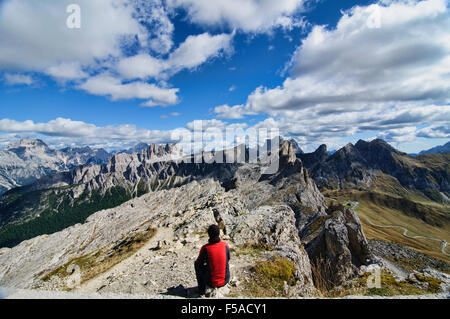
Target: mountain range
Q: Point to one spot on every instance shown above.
(25, 161)
(363, 165)
(132, 224)
(443, 149)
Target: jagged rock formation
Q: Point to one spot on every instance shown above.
(122, 170)
(336, 244)
(314, 159)
(24, 162)
(75, 156)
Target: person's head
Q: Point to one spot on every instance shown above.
(214, 233)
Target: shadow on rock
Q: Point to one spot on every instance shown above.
(182, 291)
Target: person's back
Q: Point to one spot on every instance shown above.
(212, 264)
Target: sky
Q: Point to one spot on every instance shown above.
(111, 73)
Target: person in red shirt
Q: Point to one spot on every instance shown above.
(212, 264)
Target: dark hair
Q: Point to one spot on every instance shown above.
(214, 232)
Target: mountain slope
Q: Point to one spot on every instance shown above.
(443, 149)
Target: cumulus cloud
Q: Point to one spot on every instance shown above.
(107, 85)
(363, 77)
(67, 128)
(154, 14)
(35, 36)
(194, 51)
(435, 131)
(255, 16)
(233, 112)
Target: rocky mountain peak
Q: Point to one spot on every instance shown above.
(163, 152)
(376, 145)
(296, 147)
(27, 146)
(27, 142)
(349, 148)
(287, 153)
(321, 150)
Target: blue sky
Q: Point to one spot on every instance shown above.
(320, 71)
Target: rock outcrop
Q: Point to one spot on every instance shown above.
(274, 227)
(336, 244)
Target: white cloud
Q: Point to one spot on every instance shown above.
(194, 51)
(66, 71)
(355, 65)
(255, 16)
(107, 85)
(197, 49)
(35, 36)
(67, 128)
(18, 79)
(141, 66)
(233, 112)
(205, 124)
(435, 131)
(154, 13)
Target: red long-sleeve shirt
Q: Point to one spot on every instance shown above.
(217, 257)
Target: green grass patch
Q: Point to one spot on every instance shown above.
(268, 278)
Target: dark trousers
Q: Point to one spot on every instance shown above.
(203, 276)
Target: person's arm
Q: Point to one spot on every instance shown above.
(228, 253)
(202, 256)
